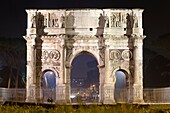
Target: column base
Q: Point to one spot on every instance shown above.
(137, 94)
(30, 94)
(108, 94)
(61, 94)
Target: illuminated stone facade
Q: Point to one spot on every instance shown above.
(113, 36)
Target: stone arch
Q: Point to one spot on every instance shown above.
(71, 58)
(43, 74)
(51, 69)
(70, 63)
(126, 89)
(49, 91)
(127, 74)
(56, 73)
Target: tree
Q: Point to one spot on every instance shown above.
(12, 54)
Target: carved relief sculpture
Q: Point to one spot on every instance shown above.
(126, 54)
(62, 21)
(70, 32)
(115, 54)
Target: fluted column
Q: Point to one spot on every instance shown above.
(31, 78)
(108, 88)
(138, 71)
(68, 88)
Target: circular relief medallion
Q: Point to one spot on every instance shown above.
(115, 55)
(126, 54)
(55, 54)
(45, 54)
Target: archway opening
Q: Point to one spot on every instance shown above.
(84, 79)
(49, 80)
(121, 86)
(48, 83)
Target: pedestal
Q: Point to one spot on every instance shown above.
(137, 94)
(30, 94)
(108, 94)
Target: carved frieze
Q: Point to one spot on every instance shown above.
(51, 54)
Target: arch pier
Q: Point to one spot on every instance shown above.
(114, 37)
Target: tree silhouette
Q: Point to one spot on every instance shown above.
(12, 56)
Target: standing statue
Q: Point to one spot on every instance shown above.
(33, 21)
(113, 22)
(62, 21)
(40, 20)
(129, 24)
(102, 21)
(128, 21)
(135, 21)
(107, 21)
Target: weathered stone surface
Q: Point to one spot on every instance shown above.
(113, 36)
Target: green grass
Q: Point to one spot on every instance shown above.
(119, 108)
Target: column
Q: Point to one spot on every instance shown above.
(67, 84)
(30, 87)
(38, 67)
(108, 88)
(138, 71)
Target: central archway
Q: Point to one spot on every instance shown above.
(84, 79)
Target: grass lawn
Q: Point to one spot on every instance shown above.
(118, 108)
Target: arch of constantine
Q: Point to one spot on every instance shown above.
(114, 37)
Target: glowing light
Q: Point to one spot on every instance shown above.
(51, 72)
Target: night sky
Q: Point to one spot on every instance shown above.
(13, 19)
(156, 15)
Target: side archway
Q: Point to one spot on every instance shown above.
(121, 84)
(48, 85)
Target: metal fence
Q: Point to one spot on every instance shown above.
(157, 95)
(153, 95)
(18, 95)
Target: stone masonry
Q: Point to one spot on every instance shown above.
(113, 36)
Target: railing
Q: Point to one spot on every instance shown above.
(157, 95)
(11, 94)
(153, 95)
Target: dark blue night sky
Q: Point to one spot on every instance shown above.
(85, 66)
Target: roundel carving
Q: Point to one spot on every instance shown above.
(126, 54)
(55, 54)
(45, 54)
(115, 55)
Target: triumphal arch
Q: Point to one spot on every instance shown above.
(114, 37)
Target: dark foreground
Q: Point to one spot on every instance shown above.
(16, 107)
